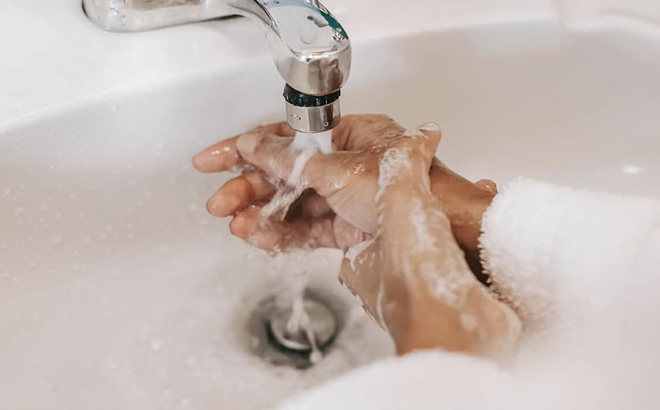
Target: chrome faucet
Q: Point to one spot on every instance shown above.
(311, 50)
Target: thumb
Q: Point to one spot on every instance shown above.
(270, 153)
(404, 167)
(433, 135)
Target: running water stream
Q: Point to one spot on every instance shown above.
(306, 146)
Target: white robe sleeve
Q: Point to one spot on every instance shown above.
(576, 263)
(559, 254)
(582, 270)
(429, 380)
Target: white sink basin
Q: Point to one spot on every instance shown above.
(117, 291)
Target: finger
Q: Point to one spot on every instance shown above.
(223, 156)
(240, 192)
(359, 132)
(283, 235)
(404, 167)
(278, 158)
(219, 157)
(431, 131)
(315, 206)
(271, 154)
(362, 278)
(348, 235)
(488, 185)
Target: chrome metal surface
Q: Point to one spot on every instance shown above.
(140, 15)
(261, 334)
(313, 119)
(311, 49)
(322, 321)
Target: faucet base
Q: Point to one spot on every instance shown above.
(140, 15)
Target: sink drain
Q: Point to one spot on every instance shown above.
(322, 327)
(273, 339)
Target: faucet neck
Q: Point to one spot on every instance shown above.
(311, 49)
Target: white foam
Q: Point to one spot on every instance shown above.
(356, 250)
(424, 239)
(394, 160)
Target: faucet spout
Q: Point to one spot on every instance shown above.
(312, 52)
(311, 49)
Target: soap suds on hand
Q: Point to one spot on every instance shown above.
(356, 250)
(394, 160)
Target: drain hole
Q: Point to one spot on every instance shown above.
(275, 342)
(322, 326)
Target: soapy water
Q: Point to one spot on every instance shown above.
(306, 146)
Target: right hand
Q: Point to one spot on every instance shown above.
(412, 277)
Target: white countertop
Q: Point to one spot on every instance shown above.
(53, 56)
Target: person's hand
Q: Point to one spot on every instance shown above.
(343, 214)
(412, 276)
(339, 213)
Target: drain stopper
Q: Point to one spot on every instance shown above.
(322, 323)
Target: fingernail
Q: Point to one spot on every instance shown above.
(247, 144)
(429, 126)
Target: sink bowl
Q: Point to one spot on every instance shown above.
(118, 291)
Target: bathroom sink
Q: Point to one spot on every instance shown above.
(118, 291)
